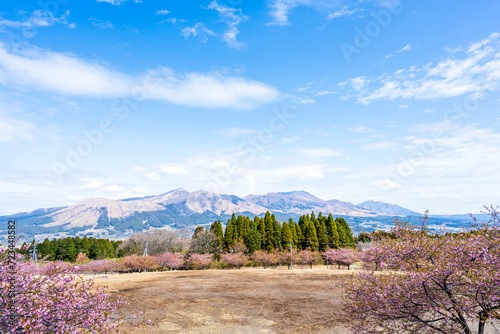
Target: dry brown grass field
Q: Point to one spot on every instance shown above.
(247, 300)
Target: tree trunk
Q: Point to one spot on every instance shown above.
(482, 323)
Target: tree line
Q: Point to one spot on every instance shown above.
(67, 249)
(267, 233)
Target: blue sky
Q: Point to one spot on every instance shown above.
(350, 100)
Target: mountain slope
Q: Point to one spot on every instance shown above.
(386, 209)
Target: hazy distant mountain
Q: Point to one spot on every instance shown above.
(386, 209)
(300, 202)
(180, 208)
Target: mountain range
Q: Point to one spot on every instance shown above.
(179, 208)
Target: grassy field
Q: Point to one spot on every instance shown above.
(234, 301)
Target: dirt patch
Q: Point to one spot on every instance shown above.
(234, 301)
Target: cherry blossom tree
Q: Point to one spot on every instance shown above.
(234, 259)
(199, 261)
(264, 258)
(437, 283)
(138, 263)
(287, 257)
(101, 266)
(343, 256)
(54, 302)
(309, 257)
(169, 260)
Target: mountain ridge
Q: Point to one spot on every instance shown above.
(180, 208)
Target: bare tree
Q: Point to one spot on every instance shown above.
(158, 240)
(205, 241)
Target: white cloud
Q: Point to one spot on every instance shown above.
(43, 70)
(232, 17)
(236, 132)
(381, 145)
(92, 185)
(360, 129)
(280, 9)
(113, 2)
(289, 140)
(319, 152)
(407, 47)
(198, 30)
(38, 19)
(475, 73)
(101, 24)
(172, 20)
(301, 172)
(113, 188)
(387, 184)
(344, 11)
(325, 92)
(175, 170)
(152, 176)
(13, 129)
(138, 169)
(162, 12)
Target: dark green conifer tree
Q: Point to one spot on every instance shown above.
(269, 238)
(321, 234)
(229, 235)
(277, 234)
(293, 230)
(349, 239)
(252, 239)
(332, 233)
(216, 228)
(286, 236)
(70, 250)
(300, 236)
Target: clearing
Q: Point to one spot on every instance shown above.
(233, 301)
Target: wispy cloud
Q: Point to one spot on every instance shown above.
(113, 188)
(113, 2)
(198, 30)
(162, 12)
(289, 140)
(381, 145)
(407, 47)
(13, 129)
(236, 132)
(319, 152)
(172, 20)
(43, 70)
(360, 129)
(175, 170)
(232, 17)
(476, 72)
(38, 19)
(101, 24)
(280, 9)
(344, 11)
(92, 185)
